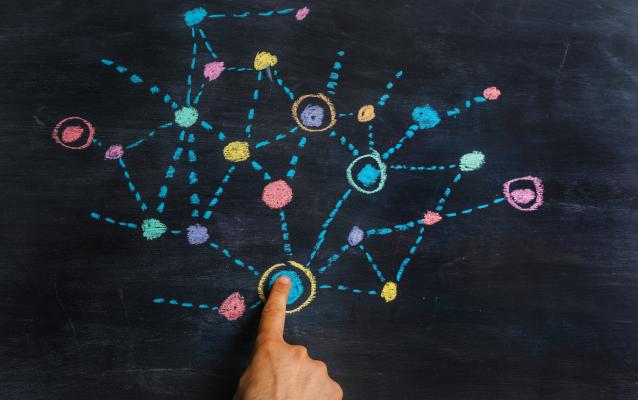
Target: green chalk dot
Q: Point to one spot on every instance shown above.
(472, 161)
(186, 117)
(152, 228)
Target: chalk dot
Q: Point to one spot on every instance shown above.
(523, 196)
(303, 284)
(312, 116)
(491, 93)
(236, 151)
(296, 288)
(355, 236)
(264, 59)
(425, 116)
(152, 228)
(366, 113)
(277, 194)
(197, 234)
(186, 117)
(72, 133)
(114, 152)
(431, 218)
(68, 131)
(302, 13)
(368, 176)
(471, 161)
(389, 291)
(213, 70)
(195, 16)
(233, 307)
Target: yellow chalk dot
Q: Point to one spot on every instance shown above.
(264, 59)
(389, 291)
(366, 113)
(236, 151)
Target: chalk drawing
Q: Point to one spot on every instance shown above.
(366, 174)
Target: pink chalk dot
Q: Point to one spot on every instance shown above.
(431, 218)
(233, 307)
(491, 93)
(302, 13)
(213, 70)
(277, 194)
(523, 196)
(115, 152)
(72, 133)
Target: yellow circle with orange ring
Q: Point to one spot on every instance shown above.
(325, 99)
(313, 284)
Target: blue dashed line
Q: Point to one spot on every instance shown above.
(131, 186)
(280, 82)
(326, 224)
(334, 75)
(237, 261)
(384, 98)
(334, 258)
(345, 143)
(98, 217)
(218, 192)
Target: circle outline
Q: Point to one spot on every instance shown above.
(305, 270)
(382, 169)
(325, 99)
(56, 133)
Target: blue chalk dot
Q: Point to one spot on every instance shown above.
(368, 175)
(195, 16)
(296, 289)
(426, 117)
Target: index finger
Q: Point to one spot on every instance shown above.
(273, 317)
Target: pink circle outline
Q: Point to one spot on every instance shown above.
(538, 185)
(56, 133)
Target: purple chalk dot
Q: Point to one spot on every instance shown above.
(355, 236)
(312, 116)
(197, 234)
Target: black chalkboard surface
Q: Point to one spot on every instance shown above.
(162, 161)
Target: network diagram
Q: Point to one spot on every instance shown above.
(311, 114)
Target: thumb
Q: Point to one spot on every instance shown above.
(273, 317)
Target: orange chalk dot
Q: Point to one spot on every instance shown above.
(277, 194)
(366, 113)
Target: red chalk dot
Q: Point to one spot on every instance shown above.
(277, 194)
(491, 93)
(114, 152)
(233, 307)
(72, 133)
(523, 196)
(68, 132)
(431, 218)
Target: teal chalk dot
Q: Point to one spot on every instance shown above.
(186, 117)
(368, 175)
(426, 117)
(472, 161)
(152, 228)
(195, 16)
(296, 289)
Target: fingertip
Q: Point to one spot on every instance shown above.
(283, 280)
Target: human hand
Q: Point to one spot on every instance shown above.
(278, 370)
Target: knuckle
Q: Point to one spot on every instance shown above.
(272, 309)
(338, 392)
(322, 367)
(300, 351)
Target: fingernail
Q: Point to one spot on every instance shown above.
(284, 280)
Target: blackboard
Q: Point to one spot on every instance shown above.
(494, 303)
